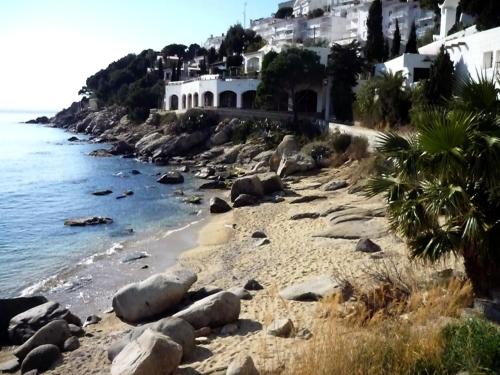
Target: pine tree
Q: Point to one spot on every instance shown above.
(375, 39)
(396, 42)
(160, 69)
(411, 45)
(387, 49)
(439, 87)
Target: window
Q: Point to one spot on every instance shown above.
(497, 60)
(488, 60)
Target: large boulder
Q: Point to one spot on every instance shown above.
(122, 148)
(271, 182)
(86, 221)
(182, 144)
(213, 311)
(230, 155)
(153, 296)
(176, 329)
(171, 177)
(287, 147)
(298, 162)
(41, 358)
(219, 206)
(150, 142)
(55, 332)
(251, 185)
(11, 307)
(244, 200)
(24, 325)
(150, 354)
(315, 289)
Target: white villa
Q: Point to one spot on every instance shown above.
(472, 52)
(216, 91)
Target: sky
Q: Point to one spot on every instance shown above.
(49, 47)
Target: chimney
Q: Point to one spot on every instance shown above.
(448, 16)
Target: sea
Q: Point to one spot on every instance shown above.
(45, 179)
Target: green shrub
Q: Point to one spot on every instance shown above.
(318, 150)
(340, 142)
(168, 118)
(243, 130)
(473, 346)
(196, 119)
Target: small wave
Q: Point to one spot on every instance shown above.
(74, 284)
(172, 231)
(91, 259)
(38, 286)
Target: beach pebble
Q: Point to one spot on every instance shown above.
(314, 289)
(202, 340)
(244, 200)
(241, 293)
(71, 344)
(365, 245)
(334, 185)
(92, 319)
(280, 328)
(75, 330)
(9, 366)
(259, 234)
(263, 242)
(41, 358)
(229, 329)
(242, 365)
(304, 334)
(204, 331)
(253, 285)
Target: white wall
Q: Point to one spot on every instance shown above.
(406, 64)
(468, 51)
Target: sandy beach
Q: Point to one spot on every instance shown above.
(227, 256)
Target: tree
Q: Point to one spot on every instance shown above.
(344, 66)
(439, 87)
(396, 41)
(387, 49)
(192, 51)
(211, 56)
(235, 40)
(203, 67)
(222, 50)
(411, 45)
(291, 69)
(487, 12)
(285, 12)
(161, 73)
(374, 49)
(442, 190)
(316, 13)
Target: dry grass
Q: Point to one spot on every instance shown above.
(391, 329)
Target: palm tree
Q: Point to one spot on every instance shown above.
(443, 190)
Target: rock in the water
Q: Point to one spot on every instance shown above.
(365, 245)
(135, 256)
(280, 328)
(73, 139)
(315, 289)
(241, 293)
(102, 192)
(101, 153)
(242, 365)
(253, 285)
(176, 329)
(193, 199)
(55, 332)
(250, 185)
(11, 307)
(307, 199)
(122, 148)
(335, 185)
(213, 185)
(41, 358)
(135, 172)
(157, 294)
(71, 344)
(244, 200)
(271, 182)
(219, 206)
(305, 215)
(213, 311)
(85, 221)
(354, 230)
(259, 234)
(172, 177)
(91, 320)
(151, 354)
(24, 325)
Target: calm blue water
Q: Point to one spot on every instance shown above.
(45, 179)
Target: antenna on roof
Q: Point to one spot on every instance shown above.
(245, 15)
